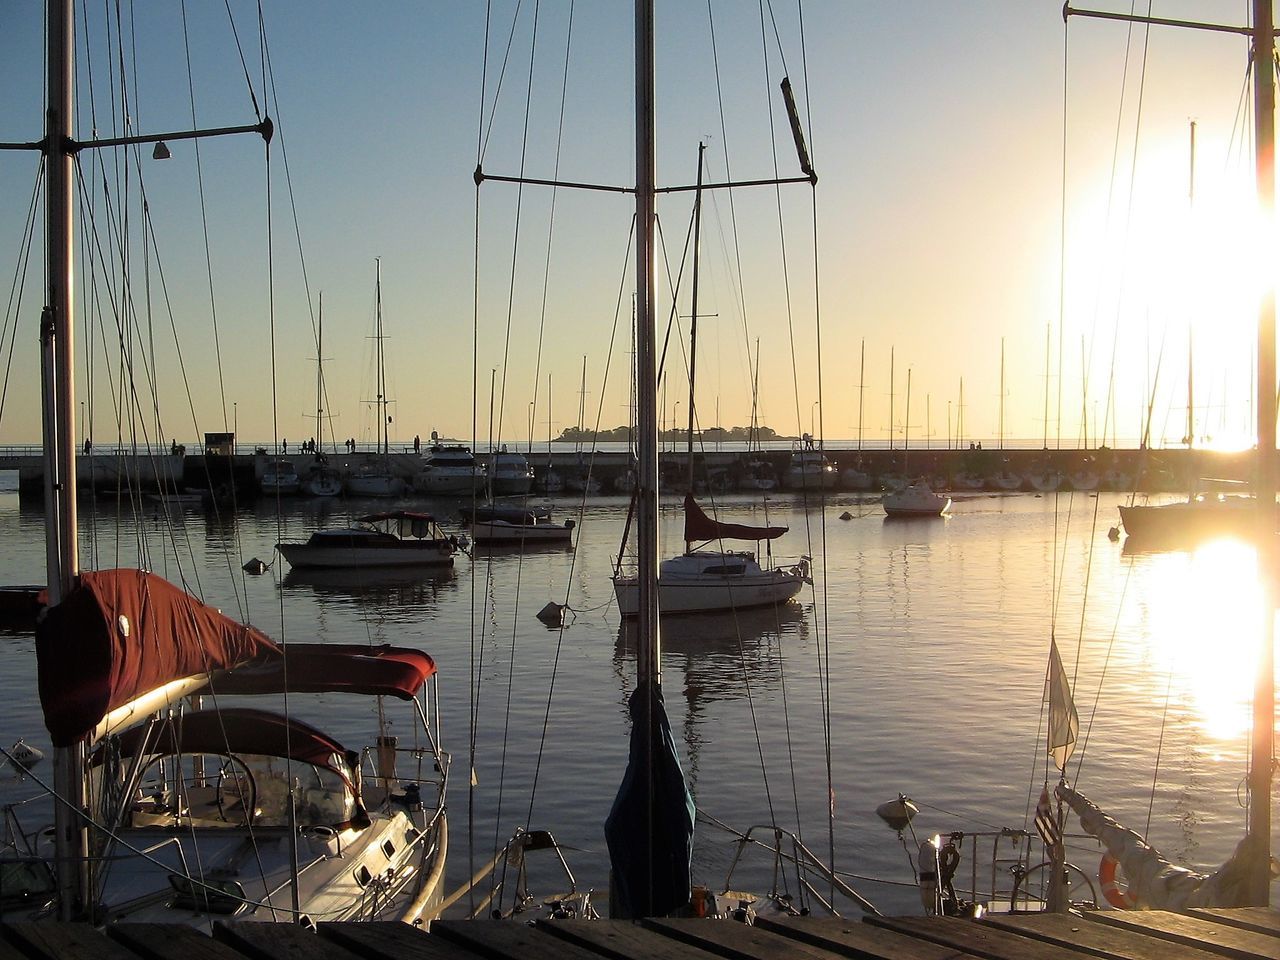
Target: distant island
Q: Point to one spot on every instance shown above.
(710, 435)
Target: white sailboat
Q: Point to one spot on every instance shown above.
(375, 478)
(705, 579)
(321, 480)
(167, 811)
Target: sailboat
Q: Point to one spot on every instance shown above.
(1245, 879)
(916, 499)
(375, 478)
(321, 480)
(166, 809)
(702, 580)
(1201, 516)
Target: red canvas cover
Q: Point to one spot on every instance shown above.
(334, 667)
(122, 633)
(698, 526)
(235, 730)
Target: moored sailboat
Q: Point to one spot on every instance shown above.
(164, 810)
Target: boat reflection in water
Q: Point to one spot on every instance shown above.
(399, 594)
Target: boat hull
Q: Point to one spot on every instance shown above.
(502, 531)
(404, 554)
(704, 595)
(1188, 523)
(375, 486)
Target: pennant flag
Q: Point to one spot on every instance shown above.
(1064, 722)
(1046, 825)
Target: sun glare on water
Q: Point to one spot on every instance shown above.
(1207, 620)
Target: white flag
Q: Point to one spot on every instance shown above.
(1064, 722)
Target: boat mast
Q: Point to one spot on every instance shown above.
(382, 373)
(648, 636)
(862, 388)
(891, 400)
(693, 320)
(1264, 698)
(649, 655)
(1002, 393)
(57, 355)
(1262, 756)
(320, 374)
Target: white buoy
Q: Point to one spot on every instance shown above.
(24, 755)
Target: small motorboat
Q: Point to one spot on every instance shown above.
(399, 538)
(916, 500)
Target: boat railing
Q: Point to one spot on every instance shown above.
(792, 861)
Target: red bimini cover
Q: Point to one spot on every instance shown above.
(122, 633)
(333, 668)
(234, 731)
(698, 526)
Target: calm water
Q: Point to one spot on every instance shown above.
(936, 633)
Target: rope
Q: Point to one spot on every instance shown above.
(515, 246)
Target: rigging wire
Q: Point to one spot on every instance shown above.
(795, 376)
(823, 628)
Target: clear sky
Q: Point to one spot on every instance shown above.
(937, 132)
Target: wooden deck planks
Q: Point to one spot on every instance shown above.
(979, 939)
(390, 939)
(1252, 934)
(619, 940)
(1258, 919)
(1111, 943)
(62, 941)
(169, 941)
(278, 941)
(853, 938)
(502, 940)
(737, 941)
(1211, 935)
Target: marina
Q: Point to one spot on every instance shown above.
(988, 724)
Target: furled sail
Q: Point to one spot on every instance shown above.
(1154, 882)
(698, 526)
(120, 634)
(635, 892)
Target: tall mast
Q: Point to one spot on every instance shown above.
(1264, 698)
(862, 387)
(693, 320)
(891, 399)
(320, 373)
(1002, 393)
(57, 354)
(649, 644)
(382, 373)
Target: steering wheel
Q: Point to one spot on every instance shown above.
(235, 785)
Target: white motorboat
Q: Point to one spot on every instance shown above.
(809, 468)
(515, 525)
(450, 470)
(373, 480)
(509, 473)
(322, 481)
(916, 500)
(1045, 479)
(279, 479)
(1005, 480)
(704, 581)
(398, 538)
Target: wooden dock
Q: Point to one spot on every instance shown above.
(1245, 934)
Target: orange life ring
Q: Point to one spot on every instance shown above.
(1116, 892)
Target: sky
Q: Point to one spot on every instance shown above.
(935, 234)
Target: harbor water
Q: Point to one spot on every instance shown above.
(925, 640)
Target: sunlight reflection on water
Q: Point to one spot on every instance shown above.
(936, 634)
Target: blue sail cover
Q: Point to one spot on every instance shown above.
(634, 893)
